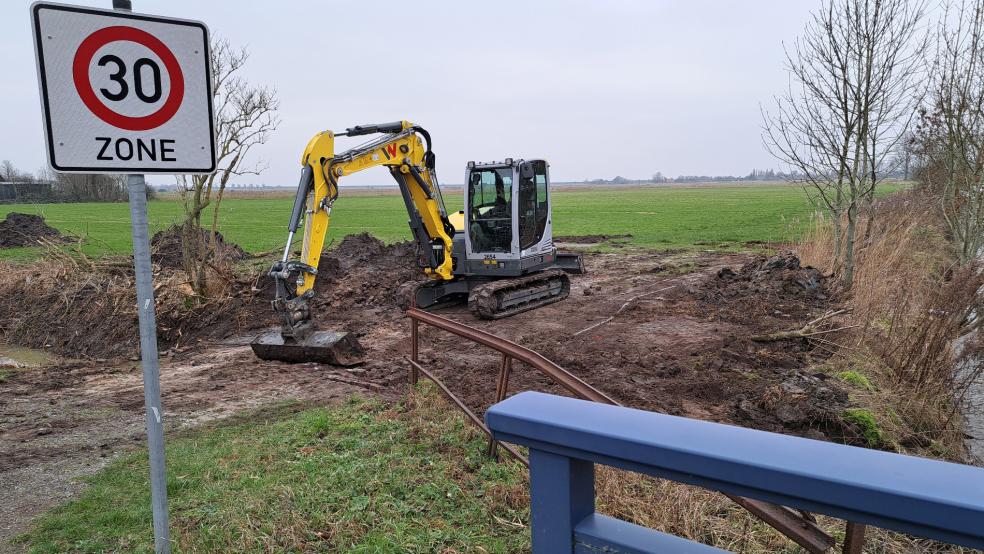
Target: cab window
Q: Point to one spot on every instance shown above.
(490, 203)
(534, 209)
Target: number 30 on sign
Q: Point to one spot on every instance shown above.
(124, 92)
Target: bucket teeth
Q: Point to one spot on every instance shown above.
(326, 347)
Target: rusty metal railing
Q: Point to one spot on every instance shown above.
(509, 351)
(799, 527)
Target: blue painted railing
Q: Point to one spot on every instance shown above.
(566, 437)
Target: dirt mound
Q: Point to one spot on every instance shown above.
(25, 230)
(766, 289)
(90, 313)
(359, 280)
(781, 273)
(366, 251)
(166, 247)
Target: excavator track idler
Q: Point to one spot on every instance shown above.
(326, 347)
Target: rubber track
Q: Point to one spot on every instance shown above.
(483, 301)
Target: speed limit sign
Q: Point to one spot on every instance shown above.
(122, 92)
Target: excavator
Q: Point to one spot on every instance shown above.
(497, 252)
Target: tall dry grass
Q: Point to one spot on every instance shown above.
(901, 254)
(909, 303)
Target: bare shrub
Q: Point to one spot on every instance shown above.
(854, 76)
(910, 304)
(917, 345)
(905, 253)
(245, 118)
(83, 307)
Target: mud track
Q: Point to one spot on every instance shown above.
(678, 342)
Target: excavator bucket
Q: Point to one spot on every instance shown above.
(326, 347)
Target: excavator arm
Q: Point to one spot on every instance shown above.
(405, 149)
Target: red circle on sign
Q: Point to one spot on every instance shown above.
(80, 73)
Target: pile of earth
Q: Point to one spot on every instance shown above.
(90, 314)
(680, 344)
(166, 247)
(765, 290)
(25, 230)
(360, 280)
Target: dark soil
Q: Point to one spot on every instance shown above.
(766, 291)
(681, 345)
(166, 247)
(90, 315)
(25, 230)
(359, 281)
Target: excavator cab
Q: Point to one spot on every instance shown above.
(507, 224)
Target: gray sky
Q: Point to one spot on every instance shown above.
(597, 88)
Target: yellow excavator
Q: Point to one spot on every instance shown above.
(497, 253)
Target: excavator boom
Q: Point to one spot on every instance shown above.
(405, 149)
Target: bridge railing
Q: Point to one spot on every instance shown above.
(566, 437)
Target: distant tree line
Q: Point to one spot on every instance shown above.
(47, 186)
(658, 177)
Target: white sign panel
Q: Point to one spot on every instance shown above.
(124, 93)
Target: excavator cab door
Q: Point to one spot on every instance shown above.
(534, 204)
(489, 206)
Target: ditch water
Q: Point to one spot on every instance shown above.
(973, 410)
(25, 356)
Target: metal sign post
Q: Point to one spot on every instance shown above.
(148, 354)
(128, 93)
(147, 316)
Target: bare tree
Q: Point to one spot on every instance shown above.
(89, 188)
(950, 136)
(851, 99)
(7, 171)
(245, 116)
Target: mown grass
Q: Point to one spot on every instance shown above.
(655, 217)
(360, 477)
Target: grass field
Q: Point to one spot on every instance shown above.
(359, 477)
(655, 217)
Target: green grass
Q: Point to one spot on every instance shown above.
(655, 217)
(354, 478)
(854, 378)
(867, 425)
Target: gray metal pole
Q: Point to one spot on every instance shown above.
(137, 189)
(148, 353)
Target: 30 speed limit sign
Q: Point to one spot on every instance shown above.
(124, 93)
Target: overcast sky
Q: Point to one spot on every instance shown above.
(598, 88)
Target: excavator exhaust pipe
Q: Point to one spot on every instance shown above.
(326, 347)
